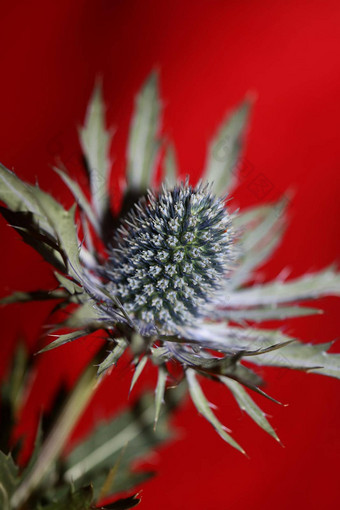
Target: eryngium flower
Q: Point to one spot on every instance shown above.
(173, 282)
(170, 256)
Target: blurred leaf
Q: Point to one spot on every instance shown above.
(96, 141)
(159, 393)
(80, 198)
(78, 500)
(272, 217)
(254, 258)
(143, 145)
(35, 295)
(326, 282)
(36, 450)
(71, 286)
(170, 166)
(114, 356)
(248, 405)
(12, 394)
(123, 503)
(202, 406)
(9, 480)
(265, 314)
(132, 430)
(225, 150)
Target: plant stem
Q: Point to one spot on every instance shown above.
(60, 433)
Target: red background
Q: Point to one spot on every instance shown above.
(209, 53)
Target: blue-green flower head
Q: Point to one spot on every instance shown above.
(170, 256)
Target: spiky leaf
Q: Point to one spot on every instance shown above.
(143, 144)
(96, 140)
(202, 406)
(225, 149)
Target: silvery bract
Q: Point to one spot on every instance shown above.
(173, 283)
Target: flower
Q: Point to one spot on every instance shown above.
(173, 285)
(171, 255)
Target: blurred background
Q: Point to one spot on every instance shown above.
(210, 54)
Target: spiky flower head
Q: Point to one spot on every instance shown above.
(170, 256)
(167, 281)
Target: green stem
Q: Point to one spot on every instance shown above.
(60, 433)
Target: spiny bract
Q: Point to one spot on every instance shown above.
(171, 254)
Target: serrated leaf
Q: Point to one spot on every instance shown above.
(28, 227)
(170, 166)
(248, 405)
(225, 149)
(8, 480)
(273, 216)
(202, 406)
(63, 339)
(323, 283)
(143, 145)
(96, 141)
(254, 258)
(138, 370)
(80, 198)
(295, 354)
(20, 197)
(48, 216)
(159, 393)
(114, 356)
(306, 357)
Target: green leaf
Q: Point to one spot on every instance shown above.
(64, 339)
(20, 196)
(265, 313)
(8, 480)
(225, 149)
(295, 354)
(248, 405)
(80, 198)
(270, 220)
(71, 286)
(28, 227)
(132, 430)
(138, 371)
(78, 500)
(202, 406)
(307, 357)
(36, 450)
(159, 393)
(324, 283)
(36, 295)
(254, 258)
(96, 141)
(114, 356)
(123, 503)
(170, 166)
(143, 145)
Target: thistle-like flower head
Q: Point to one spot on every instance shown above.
(167, 280)
(170, 256)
